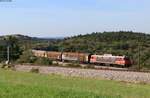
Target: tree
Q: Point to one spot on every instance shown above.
(14, 48)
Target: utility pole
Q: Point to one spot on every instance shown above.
(8, 55)
(139, 58)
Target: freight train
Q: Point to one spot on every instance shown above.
(106, 59)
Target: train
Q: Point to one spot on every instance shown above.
(106, 59)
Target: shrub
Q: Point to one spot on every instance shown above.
(27, 57)
(34, 70)
(74, 65)
(43, 61)
(5, 66)
(90, 66)
(55, 63)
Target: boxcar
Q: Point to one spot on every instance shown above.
(39, 53)
(78, 57)
(54, 55)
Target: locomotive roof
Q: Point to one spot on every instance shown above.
(110, 56)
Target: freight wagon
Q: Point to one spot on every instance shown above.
(79, 57)
(39, 53)
(54, 55)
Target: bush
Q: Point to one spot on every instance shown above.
(90, 66)
(55, 63)
(34, 70)
(5, 66)
(43, 61)
(74, 65)
(27, 57)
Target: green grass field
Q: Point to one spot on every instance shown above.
(29, 85)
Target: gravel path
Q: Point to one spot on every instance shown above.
(90, 73)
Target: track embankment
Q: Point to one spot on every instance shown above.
(141, 77)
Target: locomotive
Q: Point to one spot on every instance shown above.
(106, 59)
(109, 59)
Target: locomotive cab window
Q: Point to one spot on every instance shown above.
(126, 58)
(99, 58)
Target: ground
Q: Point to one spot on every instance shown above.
(30, 85)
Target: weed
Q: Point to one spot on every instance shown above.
(34, 70)
(74, 65)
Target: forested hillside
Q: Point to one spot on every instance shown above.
(134, 45)
(18, 44)
(27, 42)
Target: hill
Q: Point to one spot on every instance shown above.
(25, 39)
(133, 44)
(27, 42)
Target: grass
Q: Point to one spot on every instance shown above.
(30, 85)
(74, 65)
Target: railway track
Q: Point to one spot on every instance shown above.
(109, 68)
(84, 66)
(120, 69)
(103, 72)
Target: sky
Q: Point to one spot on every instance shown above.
(57, 18)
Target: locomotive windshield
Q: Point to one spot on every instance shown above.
(126, 58)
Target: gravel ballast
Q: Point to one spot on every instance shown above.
(90, 73)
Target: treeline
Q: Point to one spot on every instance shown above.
(19, 46)
(9, 45)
